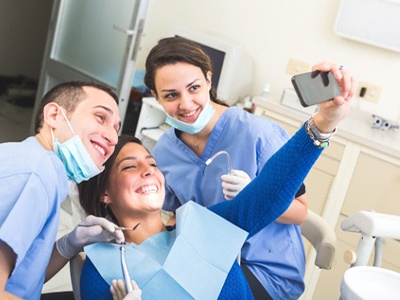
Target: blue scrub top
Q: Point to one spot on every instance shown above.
(275, 254)
(33, 183)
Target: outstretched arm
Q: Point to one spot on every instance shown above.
(296, 213)
(269, 194)
(272, 191)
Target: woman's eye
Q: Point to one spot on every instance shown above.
(154, 165)
(194, 87)
(170, 96)
(100, 117)
(128, 167)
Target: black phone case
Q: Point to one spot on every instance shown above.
(315, 87)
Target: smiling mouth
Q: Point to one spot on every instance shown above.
(100, 149)
(147, 189)
(189, 114)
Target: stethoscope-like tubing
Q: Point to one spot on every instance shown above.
(230, 169)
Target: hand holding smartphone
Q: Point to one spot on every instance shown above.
(315, 87)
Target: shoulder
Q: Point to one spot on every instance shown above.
(169, 148)
(166, 143)
(239, 122)
(169, 137)
(238, 116)
(27, 156)
(29, 161)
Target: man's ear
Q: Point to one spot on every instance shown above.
(52, 114)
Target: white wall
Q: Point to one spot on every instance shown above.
(273, 32)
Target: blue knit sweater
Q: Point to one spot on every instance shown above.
(261, 202)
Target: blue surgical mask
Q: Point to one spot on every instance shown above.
(202, 120)
(75, 157)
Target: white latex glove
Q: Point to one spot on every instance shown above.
(118, 291)
(233, 184)
(96, 230)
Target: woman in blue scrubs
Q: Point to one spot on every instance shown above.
(179, 75)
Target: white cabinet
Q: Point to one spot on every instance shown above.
(151, 117)
(360, 170)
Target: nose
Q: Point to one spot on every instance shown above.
(185, 101)
(148, 171)
(111, 135)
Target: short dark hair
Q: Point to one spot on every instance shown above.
(68, 95)
(92, 191)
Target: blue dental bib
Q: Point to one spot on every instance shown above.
(190, 262)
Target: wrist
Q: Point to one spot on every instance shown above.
(320, 139)
(323, 123)
(65, 248)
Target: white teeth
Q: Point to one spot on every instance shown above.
(190, 114)
(148, 189)
(102, 151)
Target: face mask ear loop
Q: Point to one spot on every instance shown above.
(66, 119)
(52, 133)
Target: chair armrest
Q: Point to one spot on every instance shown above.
(322, 237)
(75, 267)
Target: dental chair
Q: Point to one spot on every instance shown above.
(361, 281)
(322, 237)
(75, 268)
(316, 230)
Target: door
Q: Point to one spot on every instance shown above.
(93, 40)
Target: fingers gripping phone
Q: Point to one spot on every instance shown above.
(315, 87)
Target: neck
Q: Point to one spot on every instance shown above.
(148, 227)
(44, 140)
(198, 141)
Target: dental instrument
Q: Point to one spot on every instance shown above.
(230, 169)
(125, 271)
(118, 227)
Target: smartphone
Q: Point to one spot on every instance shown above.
(315, 87)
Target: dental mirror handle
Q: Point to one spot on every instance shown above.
(127, 278)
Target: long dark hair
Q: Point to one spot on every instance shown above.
(92, 191)
(173, 50)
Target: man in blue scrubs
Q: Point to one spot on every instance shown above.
(76, 129)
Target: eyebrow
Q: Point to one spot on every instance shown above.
(191, 83)
(104, 107)
(126, 158)
(110, 112)
(133, 158)
(188, 85)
